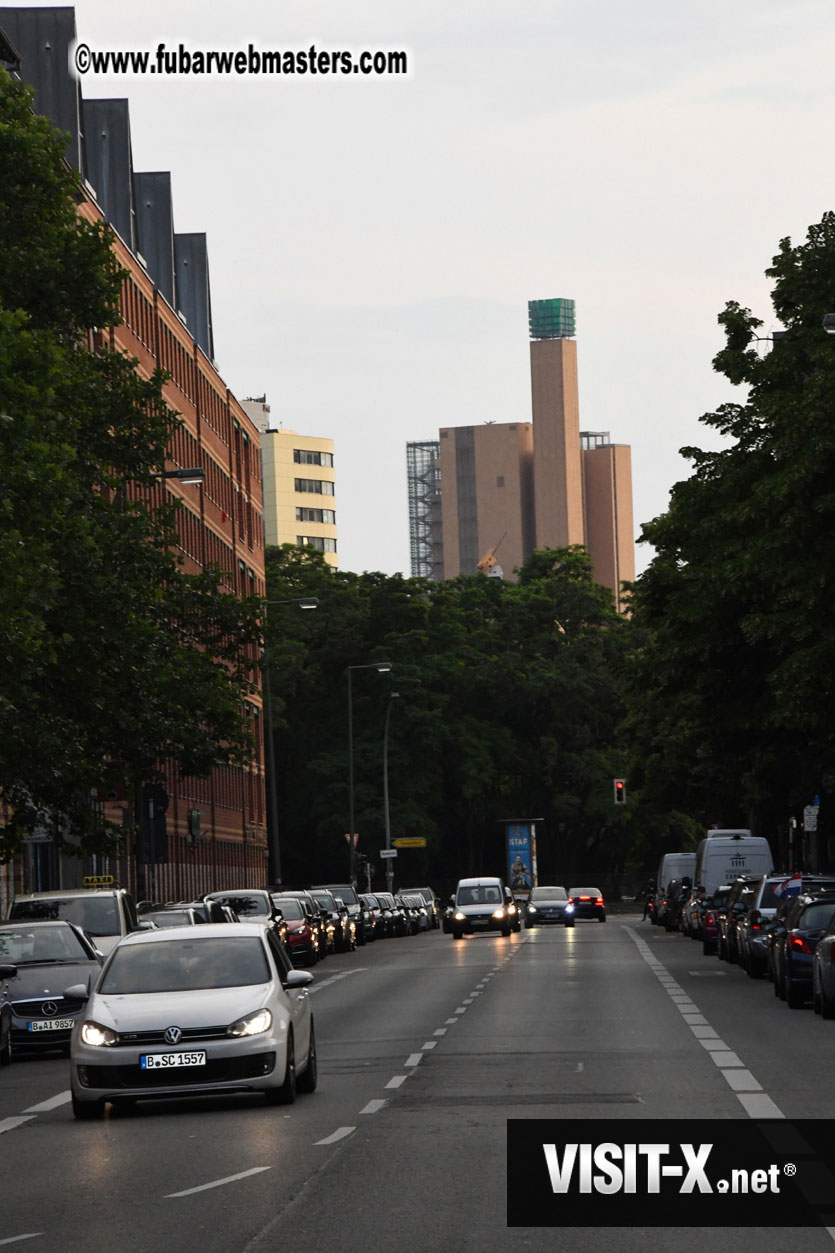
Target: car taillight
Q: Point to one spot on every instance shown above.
(755, 920)
(599, 900)
(585, 898)
(799, 943)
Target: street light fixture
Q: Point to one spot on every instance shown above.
(192, 474)
(273, 842)
(829, 323)
(382, 667)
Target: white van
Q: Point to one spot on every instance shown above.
(479, 906)
(674, 866)
(721, 858)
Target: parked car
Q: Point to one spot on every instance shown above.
(7, 972)
(823, 974)
(206, 910)
(202, 1009)
(302, 929)
(105, 914)
(319, 917)
(182, 916)
(47, 958)
(347, 894)
(807, 919)
(588, 903)
(753, 928)
(252, 905)
(338, 923)
(548, 905)
(433, 905)
(736, 907)
(710, 910)
(690, 919)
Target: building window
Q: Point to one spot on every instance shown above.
(499, 480)
(304, 514)
(316, 541)
(305, 457)
(321, 487)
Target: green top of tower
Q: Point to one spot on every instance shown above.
(551, 319)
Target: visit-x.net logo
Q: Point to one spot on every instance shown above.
(655, 1173)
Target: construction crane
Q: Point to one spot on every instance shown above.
(488, 564)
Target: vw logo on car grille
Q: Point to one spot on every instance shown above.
(173, 1035)
(49, 1009)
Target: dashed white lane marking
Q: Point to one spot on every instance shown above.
(54, 1101)
(414, 1059)
(462, 1009)
(430, 1044)
(339, 1134)
(723, 1058)
(440, 1031)
(759, 1105)
(219, 1183)
(397, 1081)
(742, 1081)
(373, 1107)
(30, 1235)
(450, 1022)
(9, 1124)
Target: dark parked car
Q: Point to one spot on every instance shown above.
(588, 903)
(710, 911)
(347, 894)
(48, 958)
(548, 905)
(7, 971)
(740, 899)
(807, 919)
(252, 905)
(754, 927)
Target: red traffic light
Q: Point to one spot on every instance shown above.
(620, 791)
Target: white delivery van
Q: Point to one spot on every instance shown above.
(480, 905)
(723, 857)
(674, 866)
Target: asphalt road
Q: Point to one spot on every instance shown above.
(427, 1047)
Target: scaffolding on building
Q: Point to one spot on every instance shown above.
(423, 474)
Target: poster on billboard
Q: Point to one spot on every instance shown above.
(521, 857)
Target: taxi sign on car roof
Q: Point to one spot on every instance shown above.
(98, 881)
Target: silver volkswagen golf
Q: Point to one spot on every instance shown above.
(194, 1010)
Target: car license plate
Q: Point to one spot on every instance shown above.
(52, 1024)
(164, 1061)
(479, 922)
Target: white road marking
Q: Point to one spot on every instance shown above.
(430, 1044)
(758, 1105)
(462, 1009)
(373, 1106)
(218, 1183)
(339, 1134)
(725, 1058)
(414, 1059)
(451, 1021)
(440, 1031)
(30, 1235)
(54, 1101)
(9, 1124)
(397, 1081)
(317, 987)
(742, 1081)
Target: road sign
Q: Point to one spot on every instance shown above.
(348, 838)
(810, 818)
(38, 835)
(411, 841)
(388, 852)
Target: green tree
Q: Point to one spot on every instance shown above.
(115, 661)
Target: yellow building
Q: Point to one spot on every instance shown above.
(299, 485)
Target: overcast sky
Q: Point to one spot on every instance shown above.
(373, 242)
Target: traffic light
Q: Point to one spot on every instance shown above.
(620, 791)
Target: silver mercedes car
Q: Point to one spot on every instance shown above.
(194, 1010)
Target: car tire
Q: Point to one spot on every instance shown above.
(827, 1009)
(6, 1053)
(570, 924)
(308, 1079)
(794, 996)
(601, 918)
(286, 1094)
(754, 969)
(778, 987)
(457, 935)
(87, 1111)
(707, 948)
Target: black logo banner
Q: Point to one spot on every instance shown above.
(662, 1173)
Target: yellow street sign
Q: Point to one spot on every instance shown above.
(411, 841)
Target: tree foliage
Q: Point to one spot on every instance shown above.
(507, 705)
(115, 660)
(732, 688)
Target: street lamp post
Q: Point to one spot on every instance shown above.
(389, 860)
(382, 667)
(273, 842)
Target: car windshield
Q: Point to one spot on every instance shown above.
(291, 909)
(549, 894)
(325, 901)
(346, 894)
(585, 892)
(486, 894)
(97, 915)
(246, 906)
(819, 915)
(185, 965)
(769, 900)
(41, 944)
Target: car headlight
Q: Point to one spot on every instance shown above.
(252, 1024)
(458, 916)
(93, 1033)
(498, 913)
(531, 909)
(569, 909)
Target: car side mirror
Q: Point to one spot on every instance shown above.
(297, 979)
(7, 971)
(78, 992)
